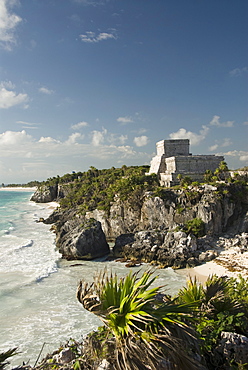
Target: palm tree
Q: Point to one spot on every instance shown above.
(208, 176)
(145, 331)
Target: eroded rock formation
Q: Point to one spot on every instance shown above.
(77, 238)
(146, 230)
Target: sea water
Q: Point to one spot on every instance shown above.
(38, 305)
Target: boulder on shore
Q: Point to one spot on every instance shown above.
(168, 249)
(45, 194)
(84, 241)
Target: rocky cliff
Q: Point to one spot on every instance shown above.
(220, 210)
(78, 237)
(152, 227)
(49, 193)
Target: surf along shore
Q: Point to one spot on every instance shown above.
(231, 262)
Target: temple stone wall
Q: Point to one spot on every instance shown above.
(157, 165)
(173, 158)
(170, 148)
(170, 179)
(195, 163)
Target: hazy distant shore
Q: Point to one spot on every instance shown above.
(18, 188)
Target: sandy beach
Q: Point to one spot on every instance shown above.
(18, 189)
(229, 263)
(50, 205)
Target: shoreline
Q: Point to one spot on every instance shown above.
(230, 263)
(19, 188)
(202, 272)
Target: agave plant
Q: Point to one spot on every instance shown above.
(5, 355)
(145, 330)
(222, 306)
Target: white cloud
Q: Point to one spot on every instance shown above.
(124, 120)
(216, 122)
(241, 154)
(122, 139)
(28, 125)
(92, 37)
(73, 138)
(244, 158)
(46, 91)
(245, 123)
(226, 142)
(220, 144)
(127, 151)
(7, 84)
(79, 125)
(48, 139)
(141, 131)
(9, 98)
(8, 24)
(141, 140)
(98, 137)
(236, 72)
(26, 158)
(213, 147)
(10, 138)
(195, 139)
(117, 140)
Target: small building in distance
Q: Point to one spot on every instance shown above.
(173, 159)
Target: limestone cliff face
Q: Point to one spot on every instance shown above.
(219, 212)
(76, 237)
(146, 228)
(45, 193)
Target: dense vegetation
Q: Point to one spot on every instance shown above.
(97, 188)
(145, 329)
(29, 184)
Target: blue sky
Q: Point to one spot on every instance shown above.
(98, 82)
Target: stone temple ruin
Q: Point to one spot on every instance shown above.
(173, 159)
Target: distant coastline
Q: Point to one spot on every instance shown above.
(18, 188)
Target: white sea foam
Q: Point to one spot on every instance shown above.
(37, 289)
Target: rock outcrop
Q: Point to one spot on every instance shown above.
(220, 212)
(179, 250)
(176, 249)
(46, 193)
(77, 238)
(233, 347)
(145, 229)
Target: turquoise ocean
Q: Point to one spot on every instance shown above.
(38, 306)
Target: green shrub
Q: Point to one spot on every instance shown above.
(145, 330)
(222, 306)
(195, 226)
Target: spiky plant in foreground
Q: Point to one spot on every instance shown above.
(5, 355)
(145, 331)
(222, 306)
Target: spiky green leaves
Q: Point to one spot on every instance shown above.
(144, 327)
(5, 355)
